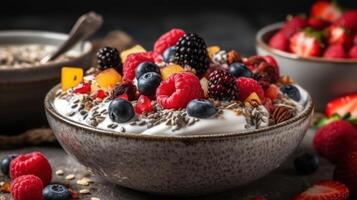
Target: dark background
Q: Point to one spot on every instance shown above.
(229, 23)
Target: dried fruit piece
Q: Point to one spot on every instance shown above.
(71, 77)
(233, 56)
(213, 50)
(108, 78)
(166, 72)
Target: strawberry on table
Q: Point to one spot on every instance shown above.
(325, 190)
(306, 43)
(342, 106)
(325, 10)
(346, 172)
(335, 51)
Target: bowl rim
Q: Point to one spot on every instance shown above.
(88, 48)
(50, 110)
(273, 27)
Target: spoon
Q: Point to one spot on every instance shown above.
(85, 27)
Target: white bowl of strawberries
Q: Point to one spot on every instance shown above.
(319, 51)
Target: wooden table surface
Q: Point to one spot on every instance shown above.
(281, 184)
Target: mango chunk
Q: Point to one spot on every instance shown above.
(166, 72)
(134, 49)
(253, 97)
(71, 77)
(108, 78)
(212, 50)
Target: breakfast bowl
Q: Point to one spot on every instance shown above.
(179, 164)
(23, 87)
(323, 78)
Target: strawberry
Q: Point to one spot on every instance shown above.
(349, 20)
(293, 25)
(317, 23)
(325, 190)
(335, 51)
(335, 139)
(328, 11)
(306, 43)
(338, 35)
(352, 53)
(346, 172)
(342, 106)
(259, 197)
(279, 41)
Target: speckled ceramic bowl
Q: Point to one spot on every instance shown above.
(179, 165)
(22, 90)
(323, 78)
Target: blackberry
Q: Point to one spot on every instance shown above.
(109, 57)
(191, 50)
(222, 86)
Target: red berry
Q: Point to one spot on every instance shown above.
(317, 23)
(247, 86)
(339, 35)
(167, 40)
(143, 105)
(325, 10)
(293, 25)
(101, 94)
(334, 140)
(305, 43)
(258, 198)
(279, 41)
(27, 187)
(346, 172)
(272, 92)
(271, 60)
(349, 21)
(221, 85)
(177, 91)
(335, 51)
(352, 53)
(133, 60)
(84, 88)
(343, 105)
(34, 163)
(325, 190)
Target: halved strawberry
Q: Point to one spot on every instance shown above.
(349, 20)
(306, 43)
(325, 190)
(342, 106)
(338, 35)
(328, 11)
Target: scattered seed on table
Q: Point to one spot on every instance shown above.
(70, 177)
(84, 191)
(94, 198)
(59, 172)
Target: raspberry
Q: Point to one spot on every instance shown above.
(101, 94)
(247, 86)
(27, 187)
(134, 60)
(177, 91)
(221, 85)
(125, 88)
(34, 163)
(167, 40)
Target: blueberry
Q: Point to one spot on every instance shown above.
(56, 192)
(307, 163)
(239, 69)
(5, 164)
(121, 110)
(169, 54)
(148, 83)
(145, 67)
(292, 91)
(200, 108)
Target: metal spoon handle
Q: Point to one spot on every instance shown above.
(85, 27)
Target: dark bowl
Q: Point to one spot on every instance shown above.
(22, 90)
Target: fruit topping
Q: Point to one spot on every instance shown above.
(342, 106)
(346, 172)
(178, 90)
(125, 88)
(306, 163)
(108, 57)
(84, 88)
(246, 86)
(135, 49)
(167, 71)
(133, 61)
(334, 140)
(281, 113)
(169, 54)
(213, 50)
(148, 83)
(233, 57)
(143, 105)
(252, 99)
(146, 67)
(191, 50)
(306, 43)
(121, 110)
(27, 187)
(71, 77)
(222, 86)
(272, 92)
(167, 40)
(56, 192)
(201, 108)
(108, 78)
(5, 164)
(34, 163)
(292, 91)
(239, 70)
(101, 94)
(325, 190)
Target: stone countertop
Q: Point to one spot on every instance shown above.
(281, 184)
